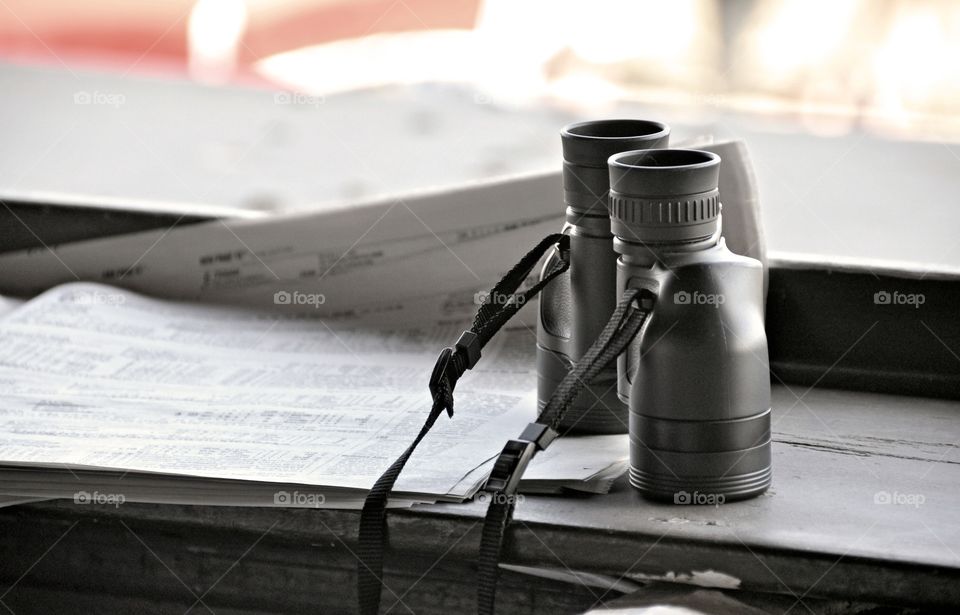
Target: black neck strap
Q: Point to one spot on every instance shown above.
(502, 303)
(627, 320)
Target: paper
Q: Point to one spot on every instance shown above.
(110, 386)
(341, 260)
(146, 386)
(597, 460)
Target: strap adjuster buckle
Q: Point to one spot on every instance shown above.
(509, 467)
(441, 373)
(451, 364)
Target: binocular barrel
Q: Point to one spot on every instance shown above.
(693, 386)
(575, 306)
(696, 376)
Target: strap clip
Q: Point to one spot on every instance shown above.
(509, 467)
(451, 364)
(441, 373)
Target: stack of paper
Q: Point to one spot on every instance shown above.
(113, 397)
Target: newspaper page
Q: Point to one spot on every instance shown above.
(98, 378)
(354, 257)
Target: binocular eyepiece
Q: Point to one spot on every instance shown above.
(692, 388)
(664, 196)
(586, 148)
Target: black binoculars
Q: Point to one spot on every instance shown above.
(642, 273)
(692, 389)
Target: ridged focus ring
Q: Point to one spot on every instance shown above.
(664, 195)
(692, 209)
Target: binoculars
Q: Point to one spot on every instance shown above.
(692, 389)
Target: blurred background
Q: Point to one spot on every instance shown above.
(849, 107)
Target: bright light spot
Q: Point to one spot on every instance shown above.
(803, 33)
(627, 29)
(403, 57)
(911, 62)
(214, 32)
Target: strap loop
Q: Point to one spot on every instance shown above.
(468, 346)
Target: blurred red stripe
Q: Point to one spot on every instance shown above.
(97, 32)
